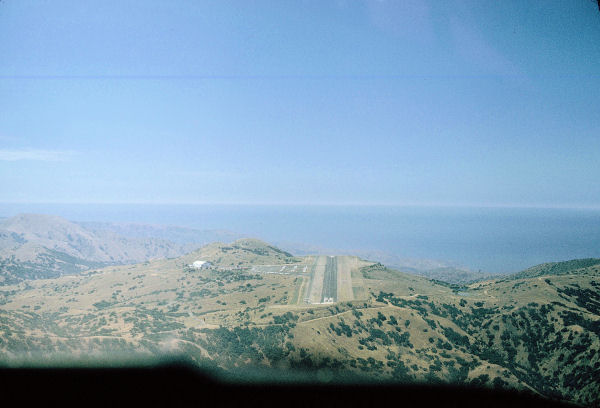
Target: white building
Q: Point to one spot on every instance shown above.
(200, 265)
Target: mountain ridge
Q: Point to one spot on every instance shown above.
(36, 245)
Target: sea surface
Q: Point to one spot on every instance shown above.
(494, 240)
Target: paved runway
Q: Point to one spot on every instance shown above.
(329, 293)
(330, 280)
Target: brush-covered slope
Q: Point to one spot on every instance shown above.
(559, 268)
(450, 274)
(539, 334)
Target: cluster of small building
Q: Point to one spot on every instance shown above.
(200, 265)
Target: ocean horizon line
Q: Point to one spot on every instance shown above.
(314, 204)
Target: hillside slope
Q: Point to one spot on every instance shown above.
(242, 252)
(537, 334)
(40, 246)
(558, 268)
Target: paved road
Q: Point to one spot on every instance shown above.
(329, 293)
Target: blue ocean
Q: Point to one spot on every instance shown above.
(494, 240)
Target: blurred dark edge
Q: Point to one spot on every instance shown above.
(185, 385)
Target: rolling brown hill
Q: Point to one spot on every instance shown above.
(538, 334)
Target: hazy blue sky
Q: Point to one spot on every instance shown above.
(406, 102)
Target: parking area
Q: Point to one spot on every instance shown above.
(287, 269)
